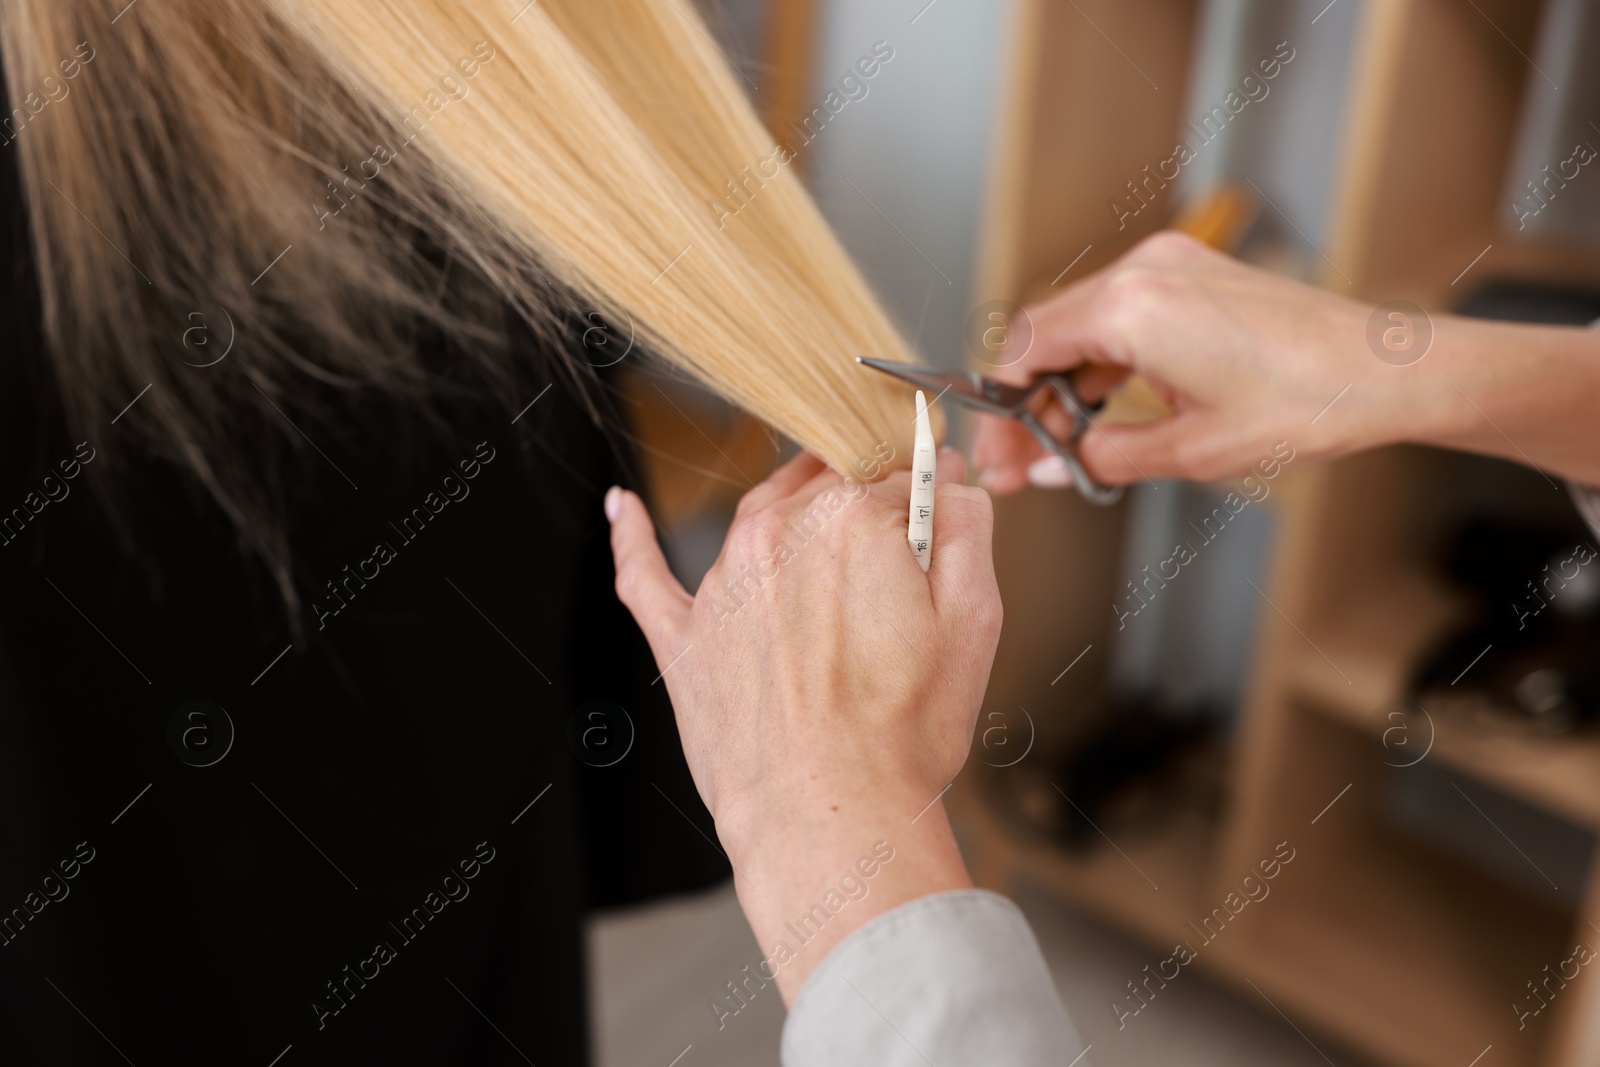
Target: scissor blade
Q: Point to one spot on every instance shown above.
(962, 386)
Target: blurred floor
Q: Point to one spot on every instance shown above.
(654, 970)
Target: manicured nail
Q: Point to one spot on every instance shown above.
(1051, 472)
(613, 503)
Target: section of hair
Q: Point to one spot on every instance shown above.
(574, 153)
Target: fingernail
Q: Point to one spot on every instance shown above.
(988, 478)
(1051, 472)
(613, 503)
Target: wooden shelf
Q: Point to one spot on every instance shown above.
(1507, 259)
(1453, 950)
(1376, 639)
(1557, 774)
(1357, 659)
(1152, 888)
(1452, 961)
(1056, 165)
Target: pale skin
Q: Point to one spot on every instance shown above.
(831, 709)
(1246, 359)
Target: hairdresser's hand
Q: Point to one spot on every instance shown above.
(1244, 358)
(825, 688)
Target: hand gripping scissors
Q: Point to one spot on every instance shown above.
(1023, 403)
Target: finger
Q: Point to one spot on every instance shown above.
(893, 490)
(815, 504)
(893, 495)
(806, 494)
(1095, 381)
(952, 469)
(1050, 472)
(1002, 450)
(1185, 446)
(961, 575)
(645, 584)
(1004, 481)
(1063, 334)
(1058, 417)
(780, 483)
(997, 442)
(1090, 322)
(1005, 451)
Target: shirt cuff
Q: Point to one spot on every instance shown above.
(953, 978)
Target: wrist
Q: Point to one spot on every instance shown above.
(1371, 400)
(1509, 390)
(807, 879)
(1420, 402)
(815, 798)
(1429, 399)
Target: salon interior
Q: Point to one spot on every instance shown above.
(1296, 768)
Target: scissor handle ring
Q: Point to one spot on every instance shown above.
(1087, 487)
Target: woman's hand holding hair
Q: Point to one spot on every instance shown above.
(825, 689)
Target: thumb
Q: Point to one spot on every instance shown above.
(645, 584)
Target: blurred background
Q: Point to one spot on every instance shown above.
(1387, 668)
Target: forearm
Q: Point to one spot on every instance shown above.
(1529, 394)
(821, 871)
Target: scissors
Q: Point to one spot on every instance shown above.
(1023, 403)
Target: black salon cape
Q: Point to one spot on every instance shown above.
(209, 908)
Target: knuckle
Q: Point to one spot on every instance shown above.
(1167, 245)
(748, 505)
(1196, 458)
(971, 497)
(1185, 456)
(854, 512)
(1130, 297)
(627, 583)
(1129, 288)
(759, 530)
(973, 504)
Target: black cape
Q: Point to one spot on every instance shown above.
(361, 875)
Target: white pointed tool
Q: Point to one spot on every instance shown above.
(924, 462)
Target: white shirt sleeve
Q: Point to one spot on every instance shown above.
(954, 979)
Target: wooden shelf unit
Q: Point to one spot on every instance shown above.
(1375, 644)
(1402, 951)
(1373, 937)
(1351, 897)
(1150, 888)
